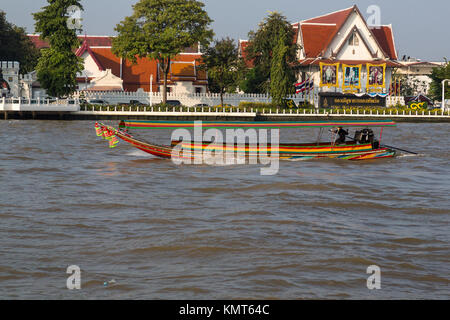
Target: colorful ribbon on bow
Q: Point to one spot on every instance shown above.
(107, 134)
(98, 130)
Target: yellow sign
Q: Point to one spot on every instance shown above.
(376, 77)
(329, 75)
(352, 78)
(418, 105)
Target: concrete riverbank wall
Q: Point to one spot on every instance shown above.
(285, 115)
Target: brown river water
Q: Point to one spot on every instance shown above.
(163, 231)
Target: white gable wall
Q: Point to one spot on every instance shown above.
(359, 52)
(355, 20)
(91, 69)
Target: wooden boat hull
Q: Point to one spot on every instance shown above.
(193, 150)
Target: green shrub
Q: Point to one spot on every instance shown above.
(255, 105)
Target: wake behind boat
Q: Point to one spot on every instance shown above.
(363, 146)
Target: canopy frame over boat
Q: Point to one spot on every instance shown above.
(352, 150)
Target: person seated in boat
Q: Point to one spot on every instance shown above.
(342, 135)
(367, 136)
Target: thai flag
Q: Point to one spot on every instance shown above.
(300, 87)
(306, 85)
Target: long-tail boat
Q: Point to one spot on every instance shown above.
(363, 146)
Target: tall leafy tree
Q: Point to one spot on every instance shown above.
(280, 72)
(252, 80)
(262, 44)
(58, 66)
(439, 74)
(162, 29)
(16, 46)
(221, 61)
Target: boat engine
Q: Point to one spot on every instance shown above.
(367, 136)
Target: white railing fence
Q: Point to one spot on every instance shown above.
(253, 112)
(211, 99)
(20, 104)
(189, 100)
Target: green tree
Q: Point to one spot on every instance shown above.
(252, 80)
(437, 76)
(262, 44)
(16, 46)
(58, 66)
(221, 61)
(162, 29)
(281, 74)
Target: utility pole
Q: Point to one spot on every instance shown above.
(151, 90)
(443, 93)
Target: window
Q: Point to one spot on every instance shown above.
(198, 90)
(169, 89)
(354, 40)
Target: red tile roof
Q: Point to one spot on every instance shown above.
(97, 41)
(385, 38)
(107, 60)
(295, 26)
(182, 70)
(138, 75)
(316, 38)
(243, 45)
(338, 17)
(320, 31)
(38, 42)
(93, 41)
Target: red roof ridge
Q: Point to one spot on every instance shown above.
(317, 23)
(332, 13)
(385, 40)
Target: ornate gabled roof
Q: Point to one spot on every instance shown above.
(86, 48)
(318, 33)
